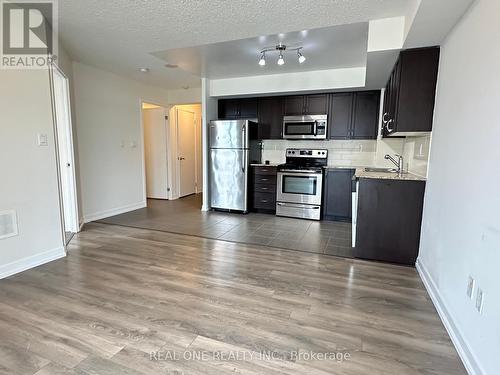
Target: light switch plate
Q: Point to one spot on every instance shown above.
(470, 287)
(42, 139)
(479, 300)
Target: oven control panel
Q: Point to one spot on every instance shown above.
(306, 153)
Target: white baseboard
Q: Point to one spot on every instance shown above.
(80, 224)
(456, 335)
(114, 211)
(31, 262)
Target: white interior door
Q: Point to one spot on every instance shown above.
(186, 151)
(155, 152)
(65, 151)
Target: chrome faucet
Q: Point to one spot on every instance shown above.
(398, 163)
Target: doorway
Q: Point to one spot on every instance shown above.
(172, 151)
(186, 151)
(65, 152)
(155, 128)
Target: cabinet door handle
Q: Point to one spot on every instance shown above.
(264, 179)
(389, 130)
(384, 121)
(264, 188)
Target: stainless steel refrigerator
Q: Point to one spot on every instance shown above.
(234, 145)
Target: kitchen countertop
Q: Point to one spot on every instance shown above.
(342, 167)
(361, 173)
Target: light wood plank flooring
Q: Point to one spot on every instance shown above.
(135, 301)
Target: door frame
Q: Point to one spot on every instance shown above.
(166, 110)
(178, 162)
(73, 193)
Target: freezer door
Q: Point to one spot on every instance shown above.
(229, 134)
(229, 179)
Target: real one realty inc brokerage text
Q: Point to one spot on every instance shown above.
(194, 355)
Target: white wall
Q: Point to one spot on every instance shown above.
(29, 172)
(184, 96)
(110, 147)
(461, 226)
(330, 79)
(208, 113)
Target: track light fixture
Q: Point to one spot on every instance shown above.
(280, 48)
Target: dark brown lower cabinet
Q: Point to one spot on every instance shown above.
(337, 193)
(262, 192)
(389, 220)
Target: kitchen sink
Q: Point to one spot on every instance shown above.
(381, 170)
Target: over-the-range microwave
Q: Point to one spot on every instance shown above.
(305, 127)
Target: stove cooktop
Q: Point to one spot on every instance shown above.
(304, 159)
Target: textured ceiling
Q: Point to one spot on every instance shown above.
(121, 35)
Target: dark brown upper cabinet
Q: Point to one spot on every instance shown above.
(238, 108)
(271, 117)
(340, 115)
(351, 115)
(354, 115)
(365, 115)
(316, 104)
(410, 93)
(294, 105)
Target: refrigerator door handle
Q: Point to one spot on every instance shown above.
(244, 162)
(243, 136)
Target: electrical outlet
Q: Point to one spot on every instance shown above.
(479, 300)
(470, 287)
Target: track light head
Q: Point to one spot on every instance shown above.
(262, 60)
(281, 60)
(302, 58)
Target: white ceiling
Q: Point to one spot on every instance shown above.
(122, 35)
(341, 46)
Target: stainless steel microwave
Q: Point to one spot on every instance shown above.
(305, 127)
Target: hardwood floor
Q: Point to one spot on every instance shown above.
(134, 301)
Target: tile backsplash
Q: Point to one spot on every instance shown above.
(340, 153)
(416, 154)
(358, 153)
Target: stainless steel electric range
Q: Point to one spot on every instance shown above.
(300, 184)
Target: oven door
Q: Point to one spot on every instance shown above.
(299, 187)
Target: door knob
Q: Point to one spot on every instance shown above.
(181, 158)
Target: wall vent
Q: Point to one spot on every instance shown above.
(8, 224)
